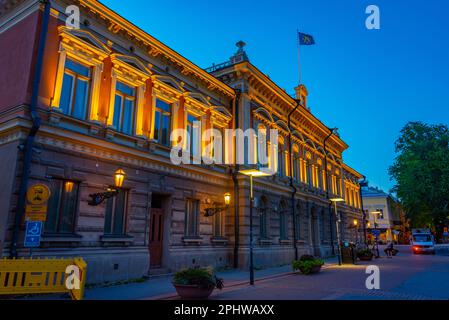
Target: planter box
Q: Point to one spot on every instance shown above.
(187, 291)
(315, 269)
(365, 258)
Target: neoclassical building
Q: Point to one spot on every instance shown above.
(109, 97)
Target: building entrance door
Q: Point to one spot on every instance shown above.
(156, 236)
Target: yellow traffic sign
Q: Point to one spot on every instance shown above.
(36, 217)
(38, 194)
(36, 208)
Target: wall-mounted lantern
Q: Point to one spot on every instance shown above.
(209, 212)
(68, 186)
(98, 198)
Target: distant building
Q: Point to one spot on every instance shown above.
(383, 212)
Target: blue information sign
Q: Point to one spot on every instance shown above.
(33, 234)
(375, 232)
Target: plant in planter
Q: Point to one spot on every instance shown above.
(196, 283)
(365, 255)
(308, 264)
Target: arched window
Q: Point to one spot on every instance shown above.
(283, 220)
(296, 169)
(281, 158)
(264, 218)
(298, 220)
(262, 147)
(308, 168)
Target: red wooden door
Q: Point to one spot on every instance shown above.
(156, 231)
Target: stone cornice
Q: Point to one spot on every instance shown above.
(155, 47)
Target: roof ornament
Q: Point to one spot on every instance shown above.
(240, 55)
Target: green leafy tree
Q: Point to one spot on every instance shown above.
(421, 172)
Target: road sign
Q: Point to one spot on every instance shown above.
(33, 234)
(36, 217)
(38, 194)
(36, 208)
(375, 232)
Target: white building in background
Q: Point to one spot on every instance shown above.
(384, 213)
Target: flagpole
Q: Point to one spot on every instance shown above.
(299, 57)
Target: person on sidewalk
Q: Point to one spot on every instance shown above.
(389, 250)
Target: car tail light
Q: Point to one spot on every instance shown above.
(415, 248)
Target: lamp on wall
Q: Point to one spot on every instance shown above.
(211, 211)
(98, 198)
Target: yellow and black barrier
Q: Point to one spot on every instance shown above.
(43, 275)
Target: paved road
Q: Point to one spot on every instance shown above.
(406, 276)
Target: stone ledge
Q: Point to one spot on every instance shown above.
(61, 238)
(218, 240)
(196, 240)
(123, 238)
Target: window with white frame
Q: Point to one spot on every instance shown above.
(124, 105)
(75, 91)
(162, 123)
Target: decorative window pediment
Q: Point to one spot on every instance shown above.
(169, 83)
(83, 43)
(263, 113)
(130, 69)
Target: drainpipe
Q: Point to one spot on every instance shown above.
(331, 132)
(363, 183)
(27, 147)
(291, 178)
(236, 188)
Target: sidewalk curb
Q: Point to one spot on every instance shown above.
(237, 283)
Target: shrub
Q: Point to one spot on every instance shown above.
(307, 265)
(364, 253)
(306, 257)
(203, 277)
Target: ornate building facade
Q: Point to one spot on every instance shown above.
(109, 97)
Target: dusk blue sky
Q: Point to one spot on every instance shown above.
(368, 83)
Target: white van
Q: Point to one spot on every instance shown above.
(422, 241)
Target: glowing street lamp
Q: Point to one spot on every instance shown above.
(227, 198)
(119, 177)
(337, 224)
(98, 198)
(252, 173)
(209, 212)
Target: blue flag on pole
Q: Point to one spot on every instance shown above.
(305, 39)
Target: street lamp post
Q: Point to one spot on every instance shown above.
(337, 224)
(375, 213)
(326, 182)
(355, 223)
(252, 173)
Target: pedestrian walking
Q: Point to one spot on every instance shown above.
(389, 250)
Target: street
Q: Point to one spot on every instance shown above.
(404, 277)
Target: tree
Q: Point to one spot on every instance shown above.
(421, 172)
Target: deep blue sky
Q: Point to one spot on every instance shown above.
(368, 83)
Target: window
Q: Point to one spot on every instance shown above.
(115, 216)
(75, 89)
(219, 225)
(125, 97)
(281, 159)
(264, 224)
(296, 168)
(309, 173)
(162, 115)
(283, 221)
(322, 226)
(192, 218)
(298, 224)
(62, 207)
(193, 145)
(219, 157)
